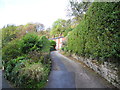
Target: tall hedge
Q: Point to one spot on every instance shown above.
(98, 34)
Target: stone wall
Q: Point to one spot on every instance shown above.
(107, 70)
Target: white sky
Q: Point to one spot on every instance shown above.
(23, 11)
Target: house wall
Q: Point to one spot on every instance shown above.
(59, 42)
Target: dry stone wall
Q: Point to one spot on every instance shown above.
(107, 70)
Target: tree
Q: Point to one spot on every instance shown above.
(39, 27)
(58, 27)
(61, 27)
(77, 8)
(29, 28)
(8, 34)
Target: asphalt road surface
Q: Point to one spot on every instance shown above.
(67, 73)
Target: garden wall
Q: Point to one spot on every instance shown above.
(107, 70)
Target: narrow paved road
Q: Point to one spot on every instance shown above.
(67, 73)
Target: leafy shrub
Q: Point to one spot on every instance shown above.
(11, 51)
(35, 56)
(67, 31)
(35, 76)
(52, 45)
(24, 59)
(19, 62)
(31, 42)
(8, 34)
(23, 72)
(65, 48)
(28, 42)
(45, 44)
(40, 57)
(97, 35)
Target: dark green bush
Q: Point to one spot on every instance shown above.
(45, 44)
(98, 34)
(17, 63)
(28, 42)
(23, 72)
(27, 61)
(11, 51)
(52, 45)
(31, 42)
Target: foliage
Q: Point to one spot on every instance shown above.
(45, 44)
(31, 42)
(46, 33)
(61, 27)
(52, 45)
(8, 34)
(67, 31)
(11, 50)
(28, 42)
(29, 54)
(58, 27)
(39, 57)
(98, 37)
(24, 73)
(11, 64)
(34, 76)
(29, 28)
(65, 48)
(77, 8)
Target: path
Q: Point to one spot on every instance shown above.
(67, 73)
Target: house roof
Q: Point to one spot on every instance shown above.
(55, 38)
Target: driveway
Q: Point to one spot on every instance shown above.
(67, 73)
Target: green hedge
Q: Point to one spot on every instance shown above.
(98, 34)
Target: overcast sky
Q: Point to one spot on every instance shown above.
(23, 11)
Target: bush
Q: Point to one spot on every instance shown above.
(45, 44)
(65, 48)
(28, 43)
(8, 34)
(97, 35)
(52, 45)
(34, 76)
(27, 61)
(24, 72)
(39, 57)
(11, 51)
(17, 63)
(31, 42)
